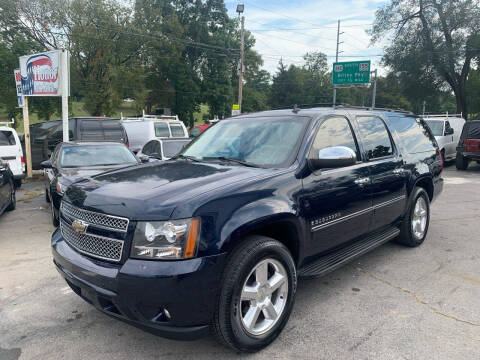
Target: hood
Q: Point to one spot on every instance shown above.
(151, 191)
(71, 175)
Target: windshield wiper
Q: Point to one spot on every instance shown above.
(187, 157)
(237, 161)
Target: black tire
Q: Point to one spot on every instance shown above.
(55, 220)
(461, 162)
(47, 198)
(227, 324)
(407, 237)
(13, 199)
(18, 183)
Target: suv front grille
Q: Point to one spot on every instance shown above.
(103, 221)
(93, 245)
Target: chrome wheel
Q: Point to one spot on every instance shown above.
(419, 218)
(263, 298)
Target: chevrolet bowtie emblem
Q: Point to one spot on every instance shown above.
(79, 226)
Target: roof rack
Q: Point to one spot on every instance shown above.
(10, 123)
(446, 115)
(150, 117)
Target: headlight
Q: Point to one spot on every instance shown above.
(61, 188)
(167, 240)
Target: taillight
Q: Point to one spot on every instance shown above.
(22, 160)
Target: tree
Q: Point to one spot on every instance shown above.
(437, 37)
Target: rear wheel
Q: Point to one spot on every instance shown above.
(461, 162)
(257, 295)
(415, 224)
(13, 198)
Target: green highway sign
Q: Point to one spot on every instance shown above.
(351, 73)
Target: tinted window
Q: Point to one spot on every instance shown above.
(334, 132)
(376, 140)
(161, 129)
(148, 148)
(413, 134)
(112, 130)
(91, 130)
(157, 148)
(95, 155)
(436, 127)
(473, 130)
(6, 138)
(177, 130)
(172, 148)
(263, 141)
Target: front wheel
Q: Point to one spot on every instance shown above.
(13, 198)
(417, 219)
(256, 296)
(461, 162)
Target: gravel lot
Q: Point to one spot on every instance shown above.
(394, 303)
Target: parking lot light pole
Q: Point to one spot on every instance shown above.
(240, 9)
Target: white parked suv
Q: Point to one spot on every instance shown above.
(447, 130)
(141, 130)
(11, 152)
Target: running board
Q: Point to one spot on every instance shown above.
(336, 259)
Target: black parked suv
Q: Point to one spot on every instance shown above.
(216, 238)
(46, 135)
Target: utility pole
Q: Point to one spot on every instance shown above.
(423, 110)
(240, 9)
(374, 95)
(336, 60)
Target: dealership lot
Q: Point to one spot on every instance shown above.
(393, 303)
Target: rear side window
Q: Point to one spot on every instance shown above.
(376, 140)
(112, 130)
(7, 138)
(413, 134)
(161, 129)
(91, 130)
(473, 130)
(177, 130)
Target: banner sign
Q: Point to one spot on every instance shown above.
(351, 73)
(40, 74)
(18, 85)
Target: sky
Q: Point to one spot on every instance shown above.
(289, 29)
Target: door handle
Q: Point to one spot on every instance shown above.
(362, 181)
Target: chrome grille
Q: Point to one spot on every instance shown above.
(103, 221)
(93, 245)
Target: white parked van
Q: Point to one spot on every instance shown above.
(11, 152)
(140, 130)
(447, 130)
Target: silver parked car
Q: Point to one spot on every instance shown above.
(447, 130)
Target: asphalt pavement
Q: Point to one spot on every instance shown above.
(393, 303)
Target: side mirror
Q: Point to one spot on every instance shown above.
(449, 131)
(144, 158)
(47, 164)
(333, 157)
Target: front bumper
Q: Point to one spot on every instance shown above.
(139, 291)
(19, 176)
(471, 155)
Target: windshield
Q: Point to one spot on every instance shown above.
(172, 148)
(436, 127)
(95, 155)
(267, 142)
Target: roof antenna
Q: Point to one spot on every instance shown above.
(296, 109)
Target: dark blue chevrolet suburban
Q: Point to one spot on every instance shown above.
(215, 238)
